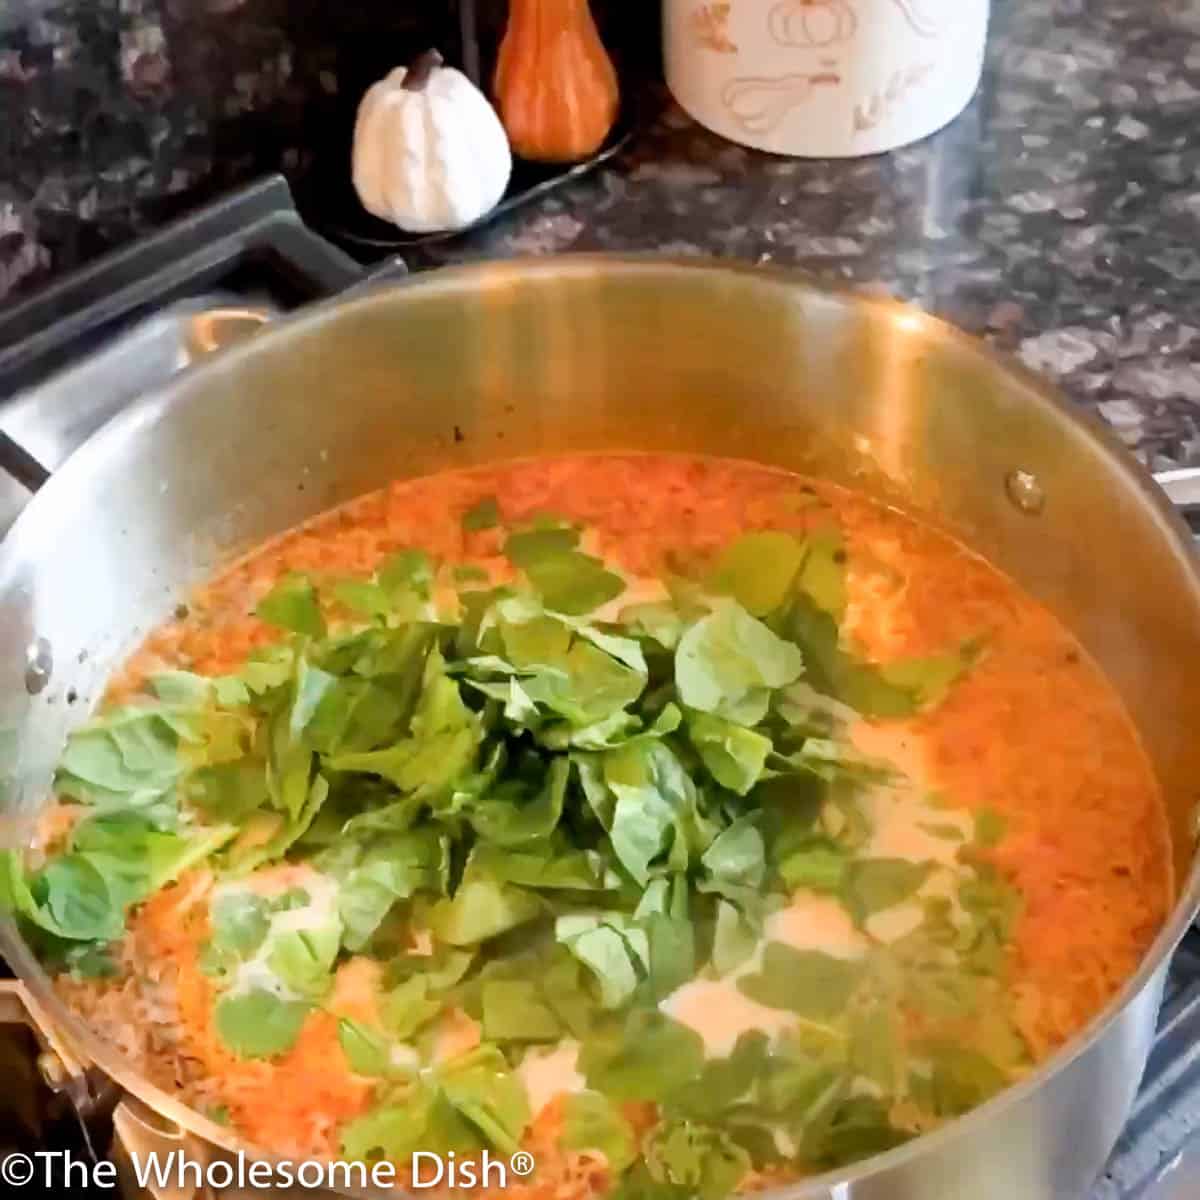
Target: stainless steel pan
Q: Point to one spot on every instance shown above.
(468, 366)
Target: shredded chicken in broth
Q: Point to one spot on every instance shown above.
(680, 820)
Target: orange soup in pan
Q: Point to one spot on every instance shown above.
(691, 824)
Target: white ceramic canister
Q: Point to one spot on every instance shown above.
(824, 78)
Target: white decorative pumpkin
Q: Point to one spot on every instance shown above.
(430, 153)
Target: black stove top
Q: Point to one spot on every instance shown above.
(73, 355)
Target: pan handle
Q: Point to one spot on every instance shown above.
(89, 394)
(55, 388)
(215, 329)
(40, 431)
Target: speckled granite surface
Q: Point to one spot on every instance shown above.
(1059, 216)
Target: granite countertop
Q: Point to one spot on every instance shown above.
(1058, 217)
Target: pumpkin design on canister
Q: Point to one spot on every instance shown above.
(812, 23)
